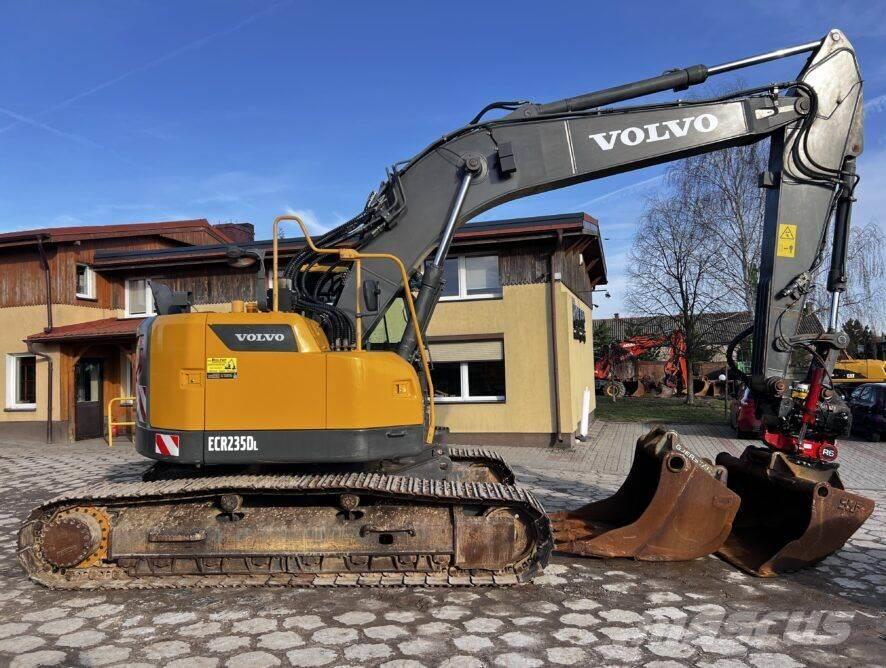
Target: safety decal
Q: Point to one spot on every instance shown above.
(787, 241)
(141, 403)
(221, 367)
(166, 444)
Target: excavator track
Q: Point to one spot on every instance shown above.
(354, 529)
(481, 465)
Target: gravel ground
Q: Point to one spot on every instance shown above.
(579, 612)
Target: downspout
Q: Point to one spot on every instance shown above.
(558, 437)
(48, 361)
(44, 264)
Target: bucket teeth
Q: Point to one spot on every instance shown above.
(673, 506)
(791, 516)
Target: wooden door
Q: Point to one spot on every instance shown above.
(89, 408)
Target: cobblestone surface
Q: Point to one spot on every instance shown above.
(579, 612)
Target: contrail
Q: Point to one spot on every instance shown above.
(875, 105)
(196, 44)
(19, 118)
(621, 190)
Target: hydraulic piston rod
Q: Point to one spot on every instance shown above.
(677, 80)
(432, 281)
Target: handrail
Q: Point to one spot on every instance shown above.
(357, 256)
(111, 423)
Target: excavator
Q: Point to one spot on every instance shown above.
(295, 448)
(676, 374)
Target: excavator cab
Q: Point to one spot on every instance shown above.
(673, 506)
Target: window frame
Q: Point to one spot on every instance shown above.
(126, 384)
(90, 281)
(463, 283)
(465, 396)
(12, 367)
(149, 300)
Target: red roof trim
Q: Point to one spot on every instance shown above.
(109, 328)
(61, 234)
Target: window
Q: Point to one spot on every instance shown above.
(470, 371)
(139, 300)
(471, 277)
(389, 330)
(85, 282)
(21, 382)
(579, 332)
(125, 378)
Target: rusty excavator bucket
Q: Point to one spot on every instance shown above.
(791, 516)
(673, 506)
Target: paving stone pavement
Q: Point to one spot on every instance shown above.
(579, 612)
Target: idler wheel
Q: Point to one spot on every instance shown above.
(70, 539)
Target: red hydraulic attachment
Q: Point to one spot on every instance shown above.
(815, 448)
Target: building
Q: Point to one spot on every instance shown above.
(511, 338)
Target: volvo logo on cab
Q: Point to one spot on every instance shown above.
(259, 337)
(654, 132)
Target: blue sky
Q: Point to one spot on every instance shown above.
(137, 110)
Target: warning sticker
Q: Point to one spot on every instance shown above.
(221, 367)
(787, 241)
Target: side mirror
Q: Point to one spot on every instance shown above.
(167, 301)
(371, 291)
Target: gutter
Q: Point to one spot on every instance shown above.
(44, 264)
(558, 436)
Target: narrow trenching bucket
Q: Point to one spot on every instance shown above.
(791, 516)
(673, 506)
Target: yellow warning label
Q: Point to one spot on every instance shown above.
(221, 367)
(787, 241)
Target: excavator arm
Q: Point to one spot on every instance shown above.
(794, 510)
(815, 127)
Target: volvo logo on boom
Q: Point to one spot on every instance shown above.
(653, 132)
(259, 337)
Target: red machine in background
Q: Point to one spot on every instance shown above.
(675, 368)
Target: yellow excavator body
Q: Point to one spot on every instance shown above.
(857, 372)
(197, 382)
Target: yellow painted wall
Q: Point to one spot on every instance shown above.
(19, 322)
(576, 360)
(522, 315)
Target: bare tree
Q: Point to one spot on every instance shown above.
(727, 181)
(865, 296)
(672, 267)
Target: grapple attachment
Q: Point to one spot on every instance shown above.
(791, 515)
(673, 506)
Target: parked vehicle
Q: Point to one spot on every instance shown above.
(868, 406)
(742, 416)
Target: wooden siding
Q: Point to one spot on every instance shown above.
(574, 273)
(523, 264)
(211, 285)
(22, 282)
